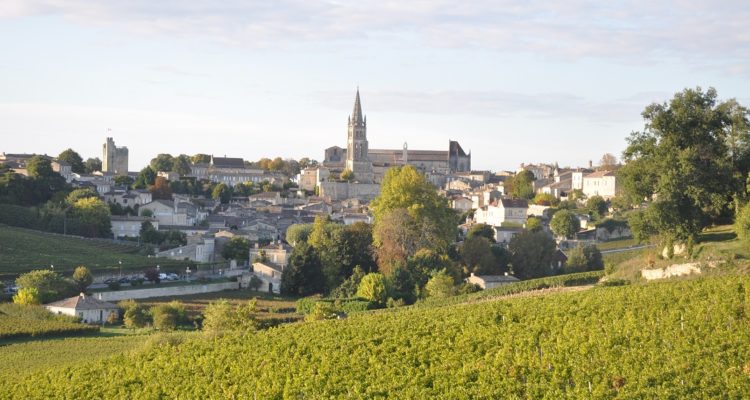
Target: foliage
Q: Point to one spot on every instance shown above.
(565, 224)
(522, 185)
(440, 286)
(532, 254)
(136, 316)
(92, 165)
(372, 288)
(167, 316)
(404, 188)
(160, 190)
(478, 257)
(220, 317)
(597, 206)
(483, 230)
(584, 258)
(27, 297)
(303, 276)
(347, 175)
(298, 233)
(545, 199)
(145, 178)
(222, 192)
(348, 288)
(534, 224)
(608, 162)
(687, 162)
(162, 162)
(742, 223)
(74, 159)
(82, 193)
(50, 285)
(237, 248)
(82, 278)
(19, 321)
(93, 217)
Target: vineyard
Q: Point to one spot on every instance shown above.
(681, 339)
(34, 321)
(22, 250)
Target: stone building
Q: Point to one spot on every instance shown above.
(89, 309)
(114, 159)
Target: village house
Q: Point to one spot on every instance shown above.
(276, 253)
(461, 203)
(269, 274)
(491, 281)
(130, 226)
(199, 249)
(87, 308)
(600, 183)
(503, 211)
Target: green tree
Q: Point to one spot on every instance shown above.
(78, 194)
(74, 159)
(522, 185)
(162, 162)
(565, 224)
(682, 163)
(584, 258)
(534, 224)
(167, 316)
(298, 233)
(303, 276)
(742, 224)
(372, 288)
(27, 297)
(532, 254)
(597, 206)
(478, 257)
(222, 192)
(219, 317)
(136, 316)
(149, 234)
(200, 159)
(124, 180)
(237, 248)
(92, 165)
(349, 287)
(82, 278)
(347, 175)
(145, 178)
(440, 286)
(482, 230)
(181, 164)
(39, 167)
(545, 199)
(93, 217)
(50, 285)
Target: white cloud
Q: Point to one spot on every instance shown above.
(639, 31)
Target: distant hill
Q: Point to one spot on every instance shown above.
(23, 250)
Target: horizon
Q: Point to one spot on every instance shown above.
(534, 83)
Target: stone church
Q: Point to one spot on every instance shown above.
(369, 165)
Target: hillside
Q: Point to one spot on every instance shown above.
(680, 339)
(22, 250)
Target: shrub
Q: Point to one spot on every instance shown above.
(742, 224)
(372, 288)
(167, 316)
(440, 285)
(136, 316)
(27, 297)
(306, 304)
(82, 278)
(114, 285)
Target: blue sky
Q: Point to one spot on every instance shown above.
(532, 82)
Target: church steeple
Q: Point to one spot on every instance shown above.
(357, 113)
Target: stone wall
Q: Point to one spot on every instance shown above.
(345, 190)
(672, 270)
(166, 291)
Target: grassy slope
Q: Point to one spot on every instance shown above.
(682, 339)
(22, 250)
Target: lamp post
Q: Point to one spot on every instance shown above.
(120, 262)
(187, 274)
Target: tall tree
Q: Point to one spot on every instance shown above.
(303, 276)
(145, 178)
(74, 159)
(682, 162)
(181, 164)
(608, 162)
(522, 185)
(565, 224)
(200, 159)
(162, 162)
(161, 189)
(532, 254)
(92, 165)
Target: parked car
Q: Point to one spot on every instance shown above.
(172, 276)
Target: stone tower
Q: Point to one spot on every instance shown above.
(357, 148)
(114, 159)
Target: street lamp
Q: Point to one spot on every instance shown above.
(187, 273)
(120, 262)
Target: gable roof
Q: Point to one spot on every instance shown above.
(515, 203)
(82, 302)
(227, 162)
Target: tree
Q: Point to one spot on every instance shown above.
(93, 217)
(181, 164)
(78, 194)
(222, 192)
(565, 224)
(608, 162)
(440, 286)
(405, 188)
(683, 164)
(200, 159)
(478, 258)
(152, 274)
(149, 234)
(347, 175)
(124, 180)
(276, 165)
(742, 224)
(545, 199)
(372, 288)
(532, 254)
(162, 162)
(426, 262)
(303, 276)
(83, 278)
(482, 230)
(145, 178)
(27, 297)
(584, 258)
(349, 287)
(136, 316)
(39, 167)
(237, 248)
(219, 317)
(597, 206)
(74, 159)
(161, 189)
(522, 185)
(167, 316)
(534, 224)
(92, 165)
(298, 233)
(49, 285)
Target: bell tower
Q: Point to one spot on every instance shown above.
(357, 147)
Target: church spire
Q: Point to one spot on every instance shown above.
(357, 113)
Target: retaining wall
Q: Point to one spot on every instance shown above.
(166, 291)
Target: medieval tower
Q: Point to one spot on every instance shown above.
(114, 159)
(357, 159)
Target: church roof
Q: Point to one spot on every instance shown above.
(227, 162)
(357, 113)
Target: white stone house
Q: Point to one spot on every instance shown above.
(600, 183)
(503, 211)
(200, 250)
(276, 253)
(491, 281)
(270, 275)
(461, 203)
(89, 309)
(130, 226)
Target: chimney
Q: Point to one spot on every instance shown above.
(591, 164)
(82, 295)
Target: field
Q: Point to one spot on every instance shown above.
(27, 321)
(22, 250)
(678, 339)
(271, 308)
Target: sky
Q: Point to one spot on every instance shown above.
(513, 82)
